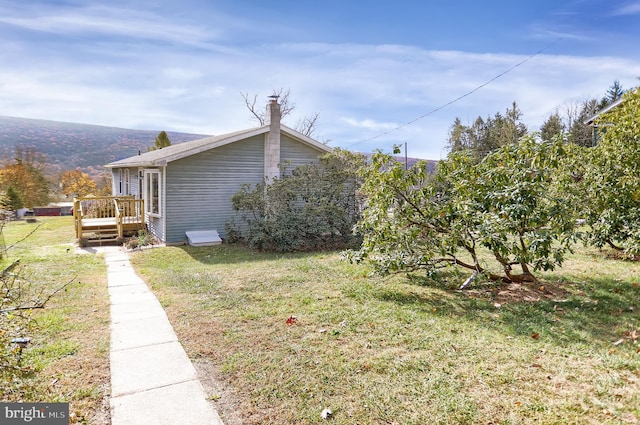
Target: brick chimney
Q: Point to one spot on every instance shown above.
(272, 140)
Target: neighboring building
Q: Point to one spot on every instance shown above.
(188, 187)
(600, 128)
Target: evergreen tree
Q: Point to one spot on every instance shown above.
(162, 141)
(580, 133)
(552, 127)
(614, 92)
(485, 136)
(13, 201)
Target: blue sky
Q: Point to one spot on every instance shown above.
(366, 67)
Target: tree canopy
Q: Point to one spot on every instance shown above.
(25, 176)
(487, 135)
(77, 183)
(161, 141)
(611, 184)
(512, 203)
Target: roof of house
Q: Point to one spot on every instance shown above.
(163, 156)
(605, 110)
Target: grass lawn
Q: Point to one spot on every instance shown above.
(68, 355)
(399, 351)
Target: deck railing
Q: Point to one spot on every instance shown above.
(126, 211)
(129, 211)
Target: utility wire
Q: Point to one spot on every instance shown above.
(469, 93)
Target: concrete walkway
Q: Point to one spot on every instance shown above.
(152, 379)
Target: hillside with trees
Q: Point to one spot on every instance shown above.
(70, 146)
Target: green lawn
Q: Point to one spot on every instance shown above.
(400, 350)
(68, 356)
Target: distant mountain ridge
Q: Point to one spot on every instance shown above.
(68, 146)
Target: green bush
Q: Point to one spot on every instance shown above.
(313, 207)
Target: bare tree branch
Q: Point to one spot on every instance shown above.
(286, 106)
(28, 234)
(36, 304)
(251, 106)
(307, 125)
(260, 114)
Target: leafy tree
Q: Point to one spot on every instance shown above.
(162, 141)
(513, 203)
(77, 183)
(312, 207)
(552, 127)
(611, 184)
(26, 175)
(28, 182)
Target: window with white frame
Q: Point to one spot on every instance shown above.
(127, 176)
(152, 191)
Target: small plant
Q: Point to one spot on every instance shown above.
(144, 238)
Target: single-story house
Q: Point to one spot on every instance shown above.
(188, 187)
(599, 128)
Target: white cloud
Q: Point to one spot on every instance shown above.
(632, 8)
(360, 91)
(110, 20)
(369, 124)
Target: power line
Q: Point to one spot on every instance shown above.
(469, 93)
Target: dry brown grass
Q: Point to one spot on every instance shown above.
(399, 351)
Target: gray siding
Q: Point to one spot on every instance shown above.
(199, 187)
(293, 153)
(155, 226)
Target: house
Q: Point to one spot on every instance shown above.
(188, 187)
(599, 128)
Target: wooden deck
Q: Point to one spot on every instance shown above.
(106, 219)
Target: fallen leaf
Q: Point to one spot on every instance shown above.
(292, 320)
(542, 288)
(535, 335)
(537, 365)
(518, 403)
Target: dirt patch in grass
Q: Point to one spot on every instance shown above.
(509, 293)
(224, 398)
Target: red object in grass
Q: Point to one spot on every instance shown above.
(292, 320)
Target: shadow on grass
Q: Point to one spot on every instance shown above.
(595, 311)
(236, 254)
